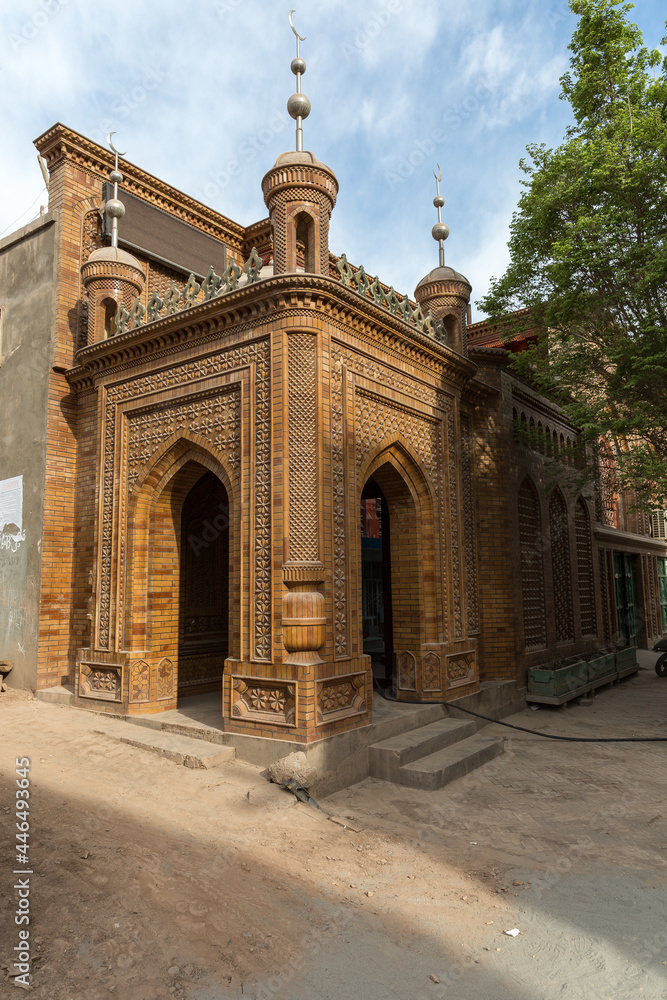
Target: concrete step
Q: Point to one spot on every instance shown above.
(453, 762)
(63, 694)
(181, 749)
(387, 757)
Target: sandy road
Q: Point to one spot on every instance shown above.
(154, 880)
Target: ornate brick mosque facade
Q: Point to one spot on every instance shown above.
(264, 470)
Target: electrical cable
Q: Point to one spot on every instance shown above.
(11, 224)
(534, 732)
(567, 739)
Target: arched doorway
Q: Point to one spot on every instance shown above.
(377, 629)
(182, 577)
(203, 606)
(397, 571)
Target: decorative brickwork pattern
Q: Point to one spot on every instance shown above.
(454, 524)
(212, 430)
(407, 671)
(104, 683)
(160, 279)
(560, 564)
(165, 679)
(257, 700)
(303, 526)
(92, 240)
(301, 197)
(605, 593)
(582, 530)
(340, 697)
(339, 485)
(262, 484)
(140, 682)
(431, 672)
(376, 417)
(92, 234)
(532, 569)
(470, 540)
(216, 418)
(422, 433)
(460, 669)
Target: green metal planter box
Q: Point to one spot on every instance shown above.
(562, 680)
(626, 658)
(602, 667)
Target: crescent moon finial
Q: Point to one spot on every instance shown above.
(301, 38)
(111, 145)
(438, 176)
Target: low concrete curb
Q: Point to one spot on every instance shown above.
(180, 749)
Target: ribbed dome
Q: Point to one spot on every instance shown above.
(443, 274)
(304, 158)
(113, 255)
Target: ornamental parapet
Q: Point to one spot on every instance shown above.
(402, 308)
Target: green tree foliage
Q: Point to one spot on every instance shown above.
(588, 250)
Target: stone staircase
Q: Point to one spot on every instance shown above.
(433, 755)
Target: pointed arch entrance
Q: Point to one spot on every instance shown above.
(397, 569)
(376, 605)
(182, 577)
(203, 628)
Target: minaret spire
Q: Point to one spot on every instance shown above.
(114, 208)
(440, 230)
(298, 105)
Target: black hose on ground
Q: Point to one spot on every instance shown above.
(568, 739)
(533, 732)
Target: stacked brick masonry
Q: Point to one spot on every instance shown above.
(72, 192)
(497, 535)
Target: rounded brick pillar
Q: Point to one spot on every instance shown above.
(445, 294)
(111, 277)
(300, 193)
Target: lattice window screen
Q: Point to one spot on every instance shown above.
(532, 569)
(582, 530)
(560, 562)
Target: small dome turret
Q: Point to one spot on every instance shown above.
(444, 292)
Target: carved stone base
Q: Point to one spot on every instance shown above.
(126, 683)
(437, 672)
(303, 706)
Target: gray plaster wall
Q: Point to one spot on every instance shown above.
(27, 315)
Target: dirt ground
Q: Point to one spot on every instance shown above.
(153, 880)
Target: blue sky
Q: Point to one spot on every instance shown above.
(197, 94)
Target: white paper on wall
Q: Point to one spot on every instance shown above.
(11, 503)
(12, 532)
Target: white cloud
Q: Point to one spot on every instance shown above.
(197, 94)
